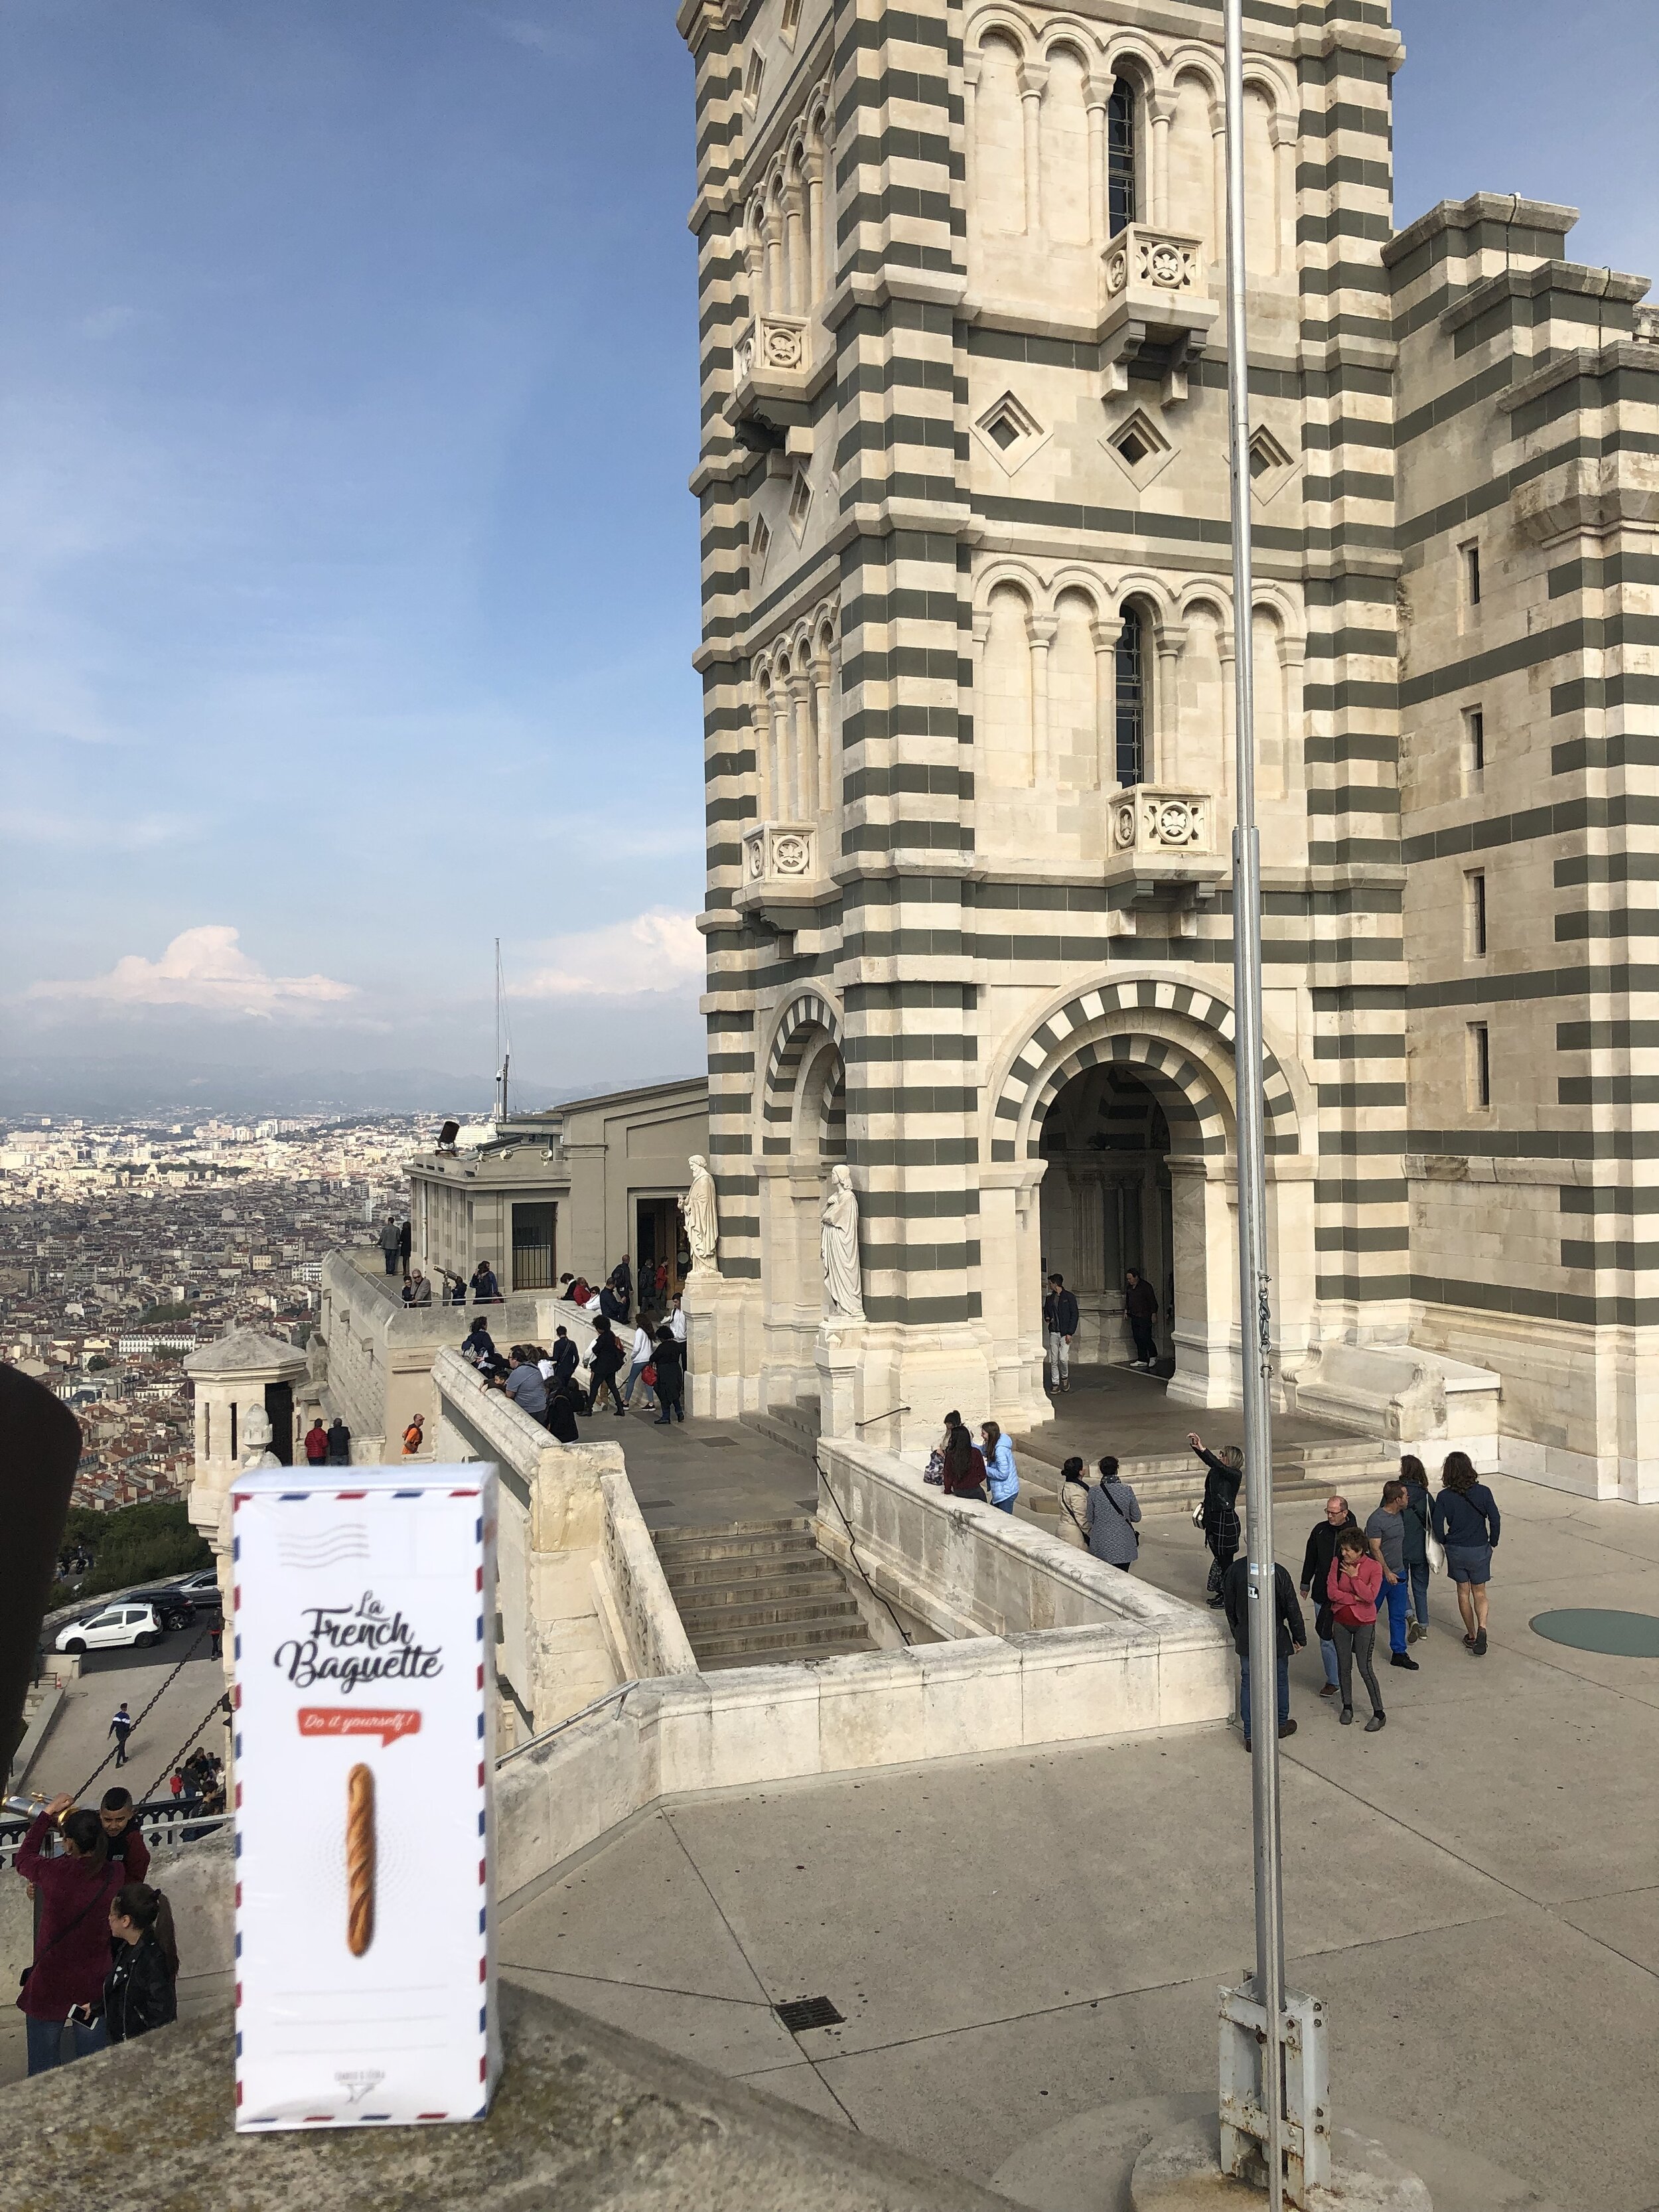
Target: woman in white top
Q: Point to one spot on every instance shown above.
(640, 1358)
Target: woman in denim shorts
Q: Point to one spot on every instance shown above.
(1466, 1522)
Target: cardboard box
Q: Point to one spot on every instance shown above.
(363, 1620)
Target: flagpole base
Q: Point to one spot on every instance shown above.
(1180, 2172)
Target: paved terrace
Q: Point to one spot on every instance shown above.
(1017, 1941)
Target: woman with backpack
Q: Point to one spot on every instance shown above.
(963, 1470)
(65, 1986)
(1110, 1517)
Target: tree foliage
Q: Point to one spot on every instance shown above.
(136, 1544)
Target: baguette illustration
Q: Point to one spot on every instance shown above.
(360, 1860)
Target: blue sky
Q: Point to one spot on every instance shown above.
(348, 574)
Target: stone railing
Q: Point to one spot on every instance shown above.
(773, 345)
(582, 1601)
(1141, 260)
(780, 853)
(1153, 818)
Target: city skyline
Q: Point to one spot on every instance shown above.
(350, 578)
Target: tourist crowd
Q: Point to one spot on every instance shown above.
(1357, 1578)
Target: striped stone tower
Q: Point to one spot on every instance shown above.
(967, 662)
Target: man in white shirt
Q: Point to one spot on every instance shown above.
(677, 1323)
(640, 1359)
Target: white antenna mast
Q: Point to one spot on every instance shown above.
(503, 1039)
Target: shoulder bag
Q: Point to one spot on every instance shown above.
(1122, 1516)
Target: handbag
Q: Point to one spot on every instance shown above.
(648, 1373)
(1435, 1550)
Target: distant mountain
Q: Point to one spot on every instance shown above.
(159, 1086)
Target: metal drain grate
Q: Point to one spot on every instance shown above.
(802, 2012)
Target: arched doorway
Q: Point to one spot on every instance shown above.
(1141, 1071)
(803, 1136)
(1106, 1206)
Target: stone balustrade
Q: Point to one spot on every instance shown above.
(1155, 288)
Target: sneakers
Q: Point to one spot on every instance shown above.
(1286, 1728)
(1246, 1743)
(1415, 1632)
(1479, 1647)
(1328, 1689)
(1142, 1363)
(1346, 1717)
(1376, 1721)
(1399, 1659)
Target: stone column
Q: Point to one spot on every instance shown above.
(823, 745)
(1225, 656)
(776, 289)
(795, 244)
(817, 258)
(1205, 1201)
(1166, 705)
(970, 68)
(1284, 133)
(1160, 110)
(754, 260)
(1218, 175)
(1097, 95)
(802, 775)
(1105, 635)
(1033, 83)
(1040, 628)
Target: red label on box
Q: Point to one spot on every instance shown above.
(345, 1719)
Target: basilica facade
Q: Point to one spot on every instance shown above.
(967, 662)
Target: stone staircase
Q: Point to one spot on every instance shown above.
(796, 1427)
(759, 1593)
(1168, 1484)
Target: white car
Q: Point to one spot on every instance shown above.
(117, 1624)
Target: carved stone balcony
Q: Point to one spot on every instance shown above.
(1162, 850)
(1156, 291)
(771, 371)
(780, 878)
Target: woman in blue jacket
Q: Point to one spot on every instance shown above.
(1465, 1520)
(1001, 1478)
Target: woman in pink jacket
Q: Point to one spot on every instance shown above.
(1351, 1587)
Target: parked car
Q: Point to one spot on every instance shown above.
(123, 1624)
(200, 1589)
(175, 1609)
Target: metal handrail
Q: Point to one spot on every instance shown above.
(546, 1735)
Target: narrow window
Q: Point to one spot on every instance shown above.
(1475, 740)
(1480, 1065)
(207, 1431)
(233, 1429)
(1474, 913)
(1120, 155)
(1132, 689)
(1472, 575)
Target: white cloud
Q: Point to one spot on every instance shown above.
(204, 968)
(656, 951)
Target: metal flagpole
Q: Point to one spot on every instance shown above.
(1252, 1304)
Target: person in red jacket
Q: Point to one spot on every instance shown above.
(316, 1443)
(71, 1941)
(1351, 1587)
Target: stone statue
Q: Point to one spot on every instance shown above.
(700, 1210)
(256, 1439)
(839, 1242)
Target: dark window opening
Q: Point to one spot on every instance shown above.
(1133, 449)
(1480, 1063)
(1131, 658)
(1472, 573)
(1260, 461)
(1477, 740)
(1476, 883)
(533, 1246)
(1004, 432)
(1120, 156)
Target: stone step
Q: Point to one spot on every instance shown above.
(742, 1541)
(694, 1577)
(762, 1646)
(764, 1654)
(709, 1627)
(796, 1427)
(769, 1589)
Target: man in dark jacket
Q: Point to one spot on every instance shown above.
(561, 1413)
(1059, 1320)
(1293, 1636)
(1315, 1580)
(339, 1443)
(670, 1378)
(1140, 1311)
(138, 1993)
(123, 1839)
(565, 1357)
(613, 1302)
(405, 1245)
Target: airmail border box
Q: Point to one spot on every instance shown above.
(365, 1966)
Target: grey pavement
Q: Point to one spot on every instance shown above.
(1114, 1409)
(704, 1474)
(183, 1716)
(1019, 1939)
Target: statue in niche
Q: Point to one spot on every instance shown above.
(699, 1211)
(256, 1439)
(839, 1242)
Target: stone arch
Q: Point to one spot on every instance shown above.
(807, 1028)
(1000, 22)
(1193, 1026)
